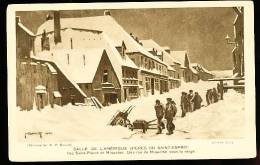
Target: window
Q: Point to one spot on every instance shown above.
(45, 41)
(105, 76)
(147, 83)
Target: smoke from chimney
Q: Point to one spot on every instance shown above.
(57, 36)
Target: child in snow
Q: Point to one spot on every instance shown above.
(159, 109)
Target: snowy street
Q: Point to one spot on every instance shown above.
(224, 119)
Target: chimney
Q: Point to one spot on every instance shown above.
(17, 19)
(48, 17)
(57, 36)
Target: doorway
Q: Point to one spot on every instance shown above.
(125, 94)
(110, 98)
(152, 86)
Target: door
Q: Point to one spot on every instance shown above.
(110, 98)
(152, 86)
(125, 93)
(40, 104)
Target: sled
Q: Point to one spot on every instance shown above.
(142, 124)
(121, 117)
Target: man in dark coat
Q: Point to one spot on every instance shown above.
(170, 112)
(207, 97)
(184, 104)
(196, 101)
(210, 96)
(159, 110)
(215, 95)
(190, 104)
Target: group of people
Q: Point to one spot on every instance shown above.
(212, 96)
(190, 102)
(168, 113)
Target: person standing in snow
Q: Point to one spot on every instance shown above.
(190, 105)
(207, 96)
(215, 95)
(170, 112)
(210, 96)
(196, 101)
(159, 110)
(184, 104)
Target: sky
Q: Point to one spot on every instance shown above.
(200, 31)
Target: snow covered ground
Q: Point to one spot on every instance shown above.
(224, 119)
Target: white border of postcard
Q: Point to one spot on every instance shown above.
(189, 149)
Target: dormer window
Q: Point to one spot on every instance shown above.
(105, 76)
(121, 49)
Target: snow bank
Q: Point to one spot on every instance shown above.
(224, 119)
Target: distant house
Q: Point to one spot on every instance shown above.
(188, 74)
(203, 73)
(163, 54)
(149, 74)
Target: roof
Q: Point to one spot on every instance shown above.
(193, 70)
(71, 62)
(180, 56)
(92, 59)
(150, 44)
(166, 47)
(26, 29)
(40, 89)
(199, 68)
(56, 94)
(52, 70)
(106, 24)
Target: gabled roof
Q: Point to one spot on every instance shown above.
(71, 62)
(199, 68)
(46, 56)
(26, 29)
(81, 72)
(150, 44)
(180, 56)
(107, 24)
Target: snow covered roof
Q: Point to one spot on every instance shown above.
(193, 70)
(56, 94)
(150, 44)
(52, 70)
(40, 89)
(166, 47)
(26, 29)
(199, 68)
(72, 62)
(180, 56)
(107, 24)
